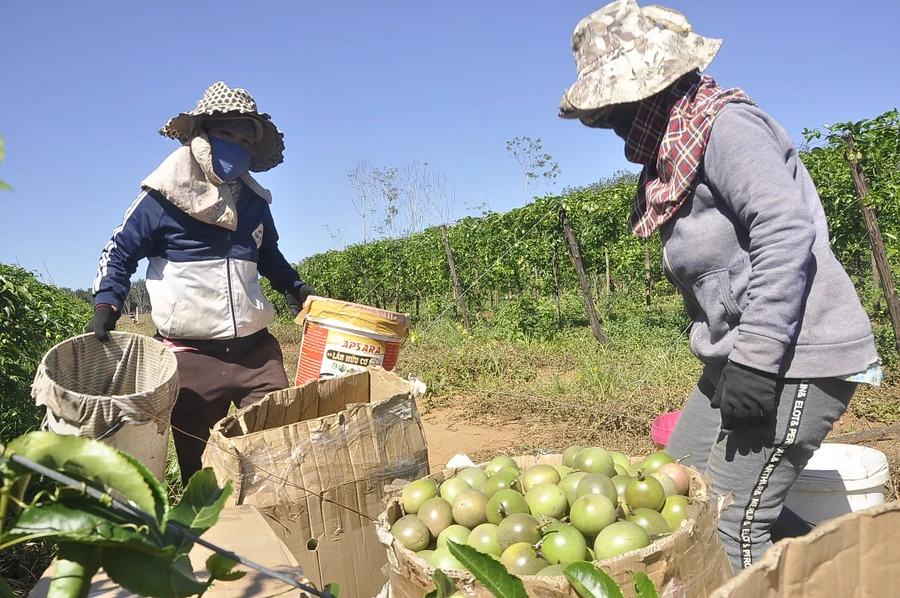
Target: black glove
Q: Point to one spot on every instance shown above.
(104, 320)
(297, 296)
(745, 397)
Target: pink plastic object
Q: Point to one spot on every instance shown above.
(662, 427)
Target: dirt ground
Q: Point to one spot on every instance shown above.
(449, 431)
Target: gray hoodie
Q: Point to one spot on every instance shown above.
(750, 252)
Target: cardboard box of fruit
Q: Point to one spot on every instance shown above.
(537, 514)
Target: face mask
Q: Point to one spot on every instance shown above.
(230, 160)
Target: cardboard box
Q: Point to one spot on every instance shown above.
(242, 530)
(852, 555)
(690, 563)
(315, 460)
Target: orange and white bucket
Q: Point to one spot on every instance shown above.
(341, 337)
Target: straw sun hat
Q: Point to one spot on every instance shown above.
(220, 102)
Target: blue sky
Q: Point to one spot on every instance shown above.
(86, 85)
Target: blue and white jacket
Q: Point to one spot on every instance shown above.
(203, 279)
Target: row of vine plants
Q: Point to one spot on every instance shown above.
(503, 256)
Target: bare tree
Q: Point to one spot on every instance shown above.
(362, 194)
(539, 168)
(396, 202)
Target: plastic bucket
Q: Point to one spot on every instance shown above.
(839, 479)
(121, 392)
(662, 428)
(341, 337)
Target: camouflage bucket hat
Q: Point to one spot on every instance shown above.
(625, 53)
(222, 102)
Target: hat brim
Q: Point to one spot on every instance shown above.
(634, 76)
(268, 152)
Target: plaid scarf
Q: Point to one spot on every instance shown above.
(668, 136)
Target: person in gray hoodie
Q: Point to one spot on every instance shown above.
(776, 321)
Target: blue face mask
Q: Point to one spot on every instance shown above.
(230, 160)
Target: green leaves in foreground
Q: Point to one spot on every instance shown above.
(491, 573)
(145, 552)
(588, 580)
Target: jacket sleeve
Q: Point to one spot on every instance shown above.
(131, 242)
(747, 165)
(272, 263)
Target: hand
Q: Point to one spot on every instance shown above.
(297, 296)
(104, 320)
(745, 397)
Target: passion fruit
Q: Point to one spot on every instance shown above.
(505, 503)
(518, 527)
(451, 488)
(417, 492)
(620, 458)
(569, 485)
(498, 463)
(443, 559)
(675, 510)
(437, 514)
(652, 522)
(539, 474)
(563, 544)
(568, 456)
(597, 483)
(470, 508)
(411, 532)
(473, 476)
(551, 571)
(499, 481)
(645, 491)
(654, 461)
(679, 475)
(595, 460)
(666, 482)
(621, 481)
(522, 559)
(547, 499)
(591, 513)
(619, 538)
(484, 539)
(455, 532)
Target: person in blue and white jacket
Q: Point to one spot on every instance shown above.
(205, 227)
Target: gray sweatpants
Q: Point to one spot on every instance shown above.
(759, 466)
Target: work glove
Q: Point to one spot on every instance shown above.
(297, 296)
(104, 320)
(745, 397)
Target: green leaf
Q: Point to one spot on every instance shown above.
(432, 594)
(445, 585)
(84, 520)
(5, 186)
(151, 576)
(75, 566)
(161, 500)
(221, 567)
(201, 502)
(492, 574)
(84, 459)
(5, 590)
(334, 588)
(589, 581)
(643, 586)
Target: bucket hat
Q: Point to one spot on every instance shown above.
(625, 53)
(221, 102)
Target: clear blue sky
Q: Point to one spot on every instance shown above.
(86, 85)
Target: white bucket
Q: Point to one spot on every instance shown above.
(839, 479)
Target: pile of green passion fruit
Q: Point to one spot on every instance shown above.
(597, 505)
